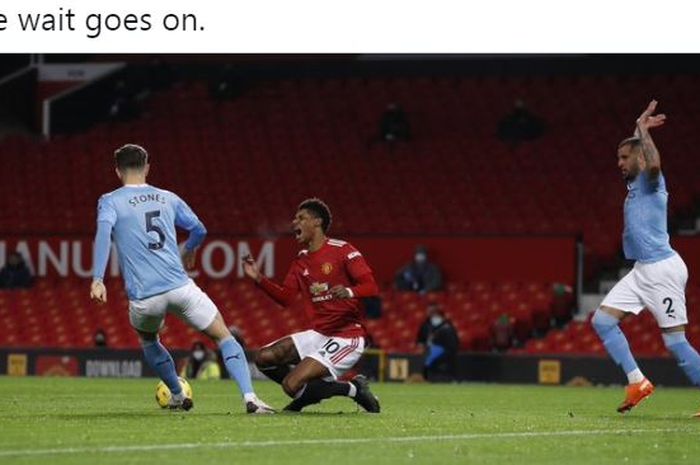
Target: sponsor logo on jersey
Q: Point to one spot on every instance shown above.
(354, 254)
(326, 268)
(318, 288)
(321, 298)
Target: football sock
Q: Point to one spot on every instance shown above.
(687, 357)
(316, 390)
(635, 376)
(250, 397)
(615, 342)
(160, 360)
(338, 388)
(276, 373)
(236, 364)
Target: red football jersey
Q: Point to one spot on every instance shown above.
(315, 273)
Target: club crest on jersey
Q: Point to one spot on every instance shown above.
(318, 288)
(326, 268)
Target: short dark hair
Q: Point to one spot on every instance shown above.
(319, 209)
(130, 156)
(634, 142)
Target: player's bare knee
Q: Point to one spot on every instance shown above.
(217, 330)
(607, 315)
(264, 358)
(281, 352)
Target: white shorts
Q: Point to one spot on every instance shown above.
(338, 354)
(189, 303)
(659, 287)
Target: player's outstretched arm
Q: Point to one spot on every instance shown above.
(645, 122)
(250, 268)
(283, 295)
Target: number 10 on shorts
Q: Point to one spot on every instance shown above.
(331, 347)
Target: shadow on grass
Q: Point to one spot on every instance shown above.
(136, 415)
(112, 415)
(313, 414)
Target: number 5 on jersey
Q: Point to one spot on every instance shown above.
(150, 227)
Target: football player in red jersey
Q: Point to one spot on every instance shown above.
(332, 276)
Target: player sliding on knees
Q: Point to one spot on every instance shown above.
(332, 276)
(141, 219)
(657, 281)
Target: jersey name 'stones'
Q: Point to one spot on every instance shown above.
(143, 219)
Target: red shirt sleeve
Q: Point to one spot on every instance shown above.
(282, 294)
(360, 273)
(366, 286)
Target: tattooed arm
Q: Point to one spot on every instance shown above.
(646, 121)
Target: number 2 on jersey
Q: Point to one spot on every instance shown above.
(155, 228)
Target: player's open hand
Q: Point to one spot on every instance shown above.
(189, 258)
(340, 292)
(648, 119)
(98, 292)
(250, 268)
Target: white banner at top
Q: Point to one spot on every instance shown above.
(358, 26)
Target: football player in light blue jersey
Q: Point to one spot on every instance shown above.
(657, 281)
(141, 220)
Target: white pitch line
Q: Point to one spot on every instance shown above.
(334, 441)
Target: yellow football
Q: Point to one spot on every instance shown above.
(163, 394)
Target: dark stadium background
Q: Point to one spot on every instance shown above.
(528, 230)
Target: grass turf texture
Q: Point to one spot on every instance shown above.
(106, 421)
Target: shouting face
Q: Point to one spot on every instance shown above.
(305, 225)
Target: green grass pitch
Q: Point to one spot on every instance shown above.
(103, 421)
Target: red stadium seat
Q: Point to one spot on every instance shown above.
(455, 177)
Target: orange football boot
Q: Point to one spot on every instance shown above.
(635, 393)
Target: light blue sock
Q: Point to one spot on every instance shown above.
(236, 364)
(160, 360)
(687, 357)
(615, 342)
